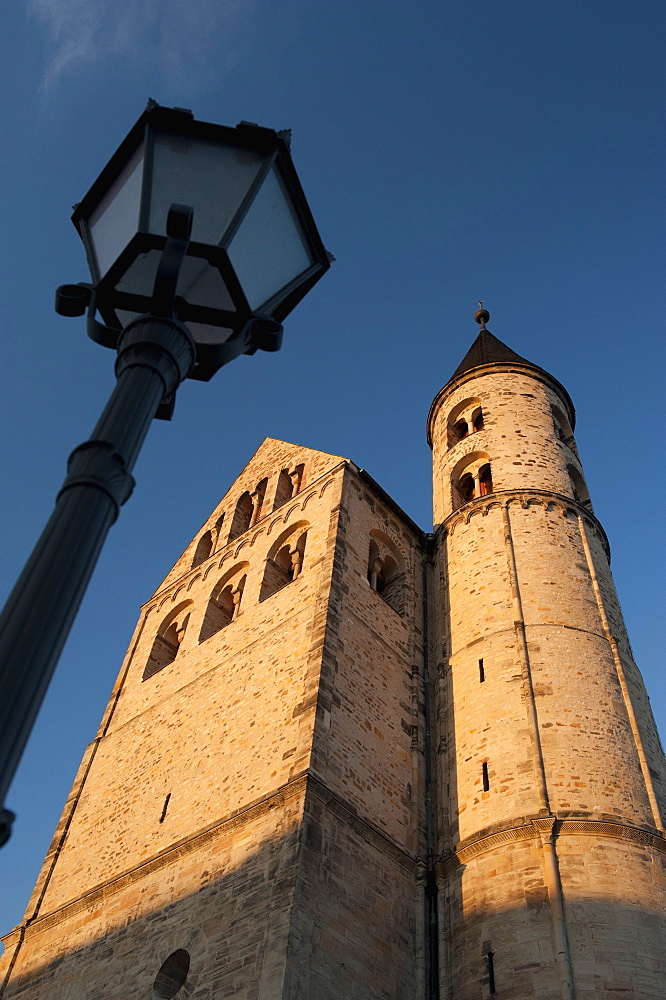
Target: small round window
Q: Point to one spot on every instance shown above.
(172, 975)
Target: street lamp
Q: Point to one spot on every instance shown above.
(200, 241)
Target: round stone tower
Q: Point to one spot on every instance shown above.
(551, 777)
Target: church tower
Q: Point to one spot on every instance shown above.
(348, 760)
(551, 780)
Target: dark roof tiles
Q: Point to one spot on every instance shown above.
(486, 350)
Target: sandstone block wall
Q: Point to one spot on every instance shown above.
(355, 911)
(368, 739)
(224, 897)
(498, 902)
(223, 725)
(187, 815)
(498, 899)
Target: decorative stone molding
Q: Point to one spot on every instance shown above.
(545, 828)
(526, 498)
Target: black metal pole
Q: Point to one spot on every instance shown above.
(154, 356)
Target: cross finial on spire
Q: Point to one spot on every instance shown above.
(482, 316)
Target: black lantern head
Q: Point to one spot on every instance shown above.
(254, 249)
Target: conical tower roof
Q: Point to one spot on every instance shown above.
(485, 350)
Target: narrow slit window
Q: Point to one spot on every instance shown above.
(165, 807)
(490, 958)
(482, 672)
(484, 774)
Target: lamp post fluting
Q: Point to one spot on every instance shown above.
(181, 290)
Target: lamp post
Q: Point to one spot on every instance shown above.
(199, 241)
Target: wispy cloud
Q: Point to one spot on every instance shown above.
(186, 39)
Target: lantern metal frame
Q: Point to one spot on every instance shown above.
(250, 329)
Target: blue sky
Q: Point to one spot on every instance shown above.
(504, 150)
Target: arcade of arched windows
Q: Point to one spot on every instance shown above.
(472, 478)
(386, 571)
(249, 508)
(284, 564)
(464, 419)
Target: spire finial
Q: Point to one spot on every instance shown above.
(482, 316)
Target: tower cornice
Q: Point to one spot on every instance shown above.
(526, 498)
(536, 827)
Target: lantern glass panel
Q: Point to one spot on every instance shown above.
(139, 278)
(269, 250)
(198, 283)
(205, 334)
(202, 285)
(115, 219)
(211, 177)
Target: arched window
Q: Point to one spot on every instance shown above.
(386, 573)
(578, 487)
(168, 639)
(203, 549)
(563, 429)
(285, 560)
(561, 424)
(285, 489)
(224, 602)
(471, 478)
(464, 419)
(242, 516)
